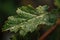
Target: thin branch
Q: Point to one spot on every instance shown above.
(50, 30)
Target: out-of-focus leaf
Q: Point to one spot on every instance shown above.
(28, 20)
(57, 3)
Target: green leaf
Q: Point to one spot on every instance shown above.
(42, 9)
(29, 9)
(13, 20)
(24, 14)
(25, 22)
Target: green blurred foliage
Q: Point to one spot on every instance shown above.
(27, 20)
(57, 3)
